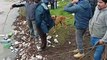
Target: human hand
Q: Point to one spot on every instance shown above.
(74, 1)
(11, 8)
(101, 42)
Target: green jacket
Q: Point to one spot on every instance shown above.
(43, 17)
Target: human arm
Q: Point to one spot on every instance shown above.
(104, 39)
(39, 15)
(15, 5)
(72, 7)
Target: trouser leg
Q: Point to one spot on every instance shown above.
(43, 38)
(79, 39)
(30, 27)
(99, 49)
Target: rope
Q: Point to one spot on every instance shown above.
(92, 48)
(5, 21)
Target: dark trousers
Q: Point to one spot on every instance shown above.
(32, 27)
(52, 5)
(43, 38)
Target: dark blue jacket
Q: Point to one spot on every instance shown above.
(82, 12)
(93, 5)
(43, 18)
(45, 1)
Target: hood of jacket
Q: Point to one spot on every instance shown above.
(83, 3)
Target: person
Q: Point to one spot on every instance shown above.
(83, 13)
(55, 4)
(93, 4)
(43, 21)
(98, 28)
(29, 6)
(45, 1)
(52, 4)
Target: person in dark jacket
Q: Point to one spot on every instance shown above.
(83, 13)
(52, 4)
(55, 4)
(43, 21)
(93, 4)
(30, 7)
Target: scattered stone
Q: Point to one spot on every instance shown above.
(55, 40)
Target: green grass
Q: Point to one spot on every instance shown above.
(63, 33)
(60, 11)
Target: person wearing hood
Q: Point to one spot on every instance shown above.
(45, 1)
(83, 13)
(98, 28)
(43, 21)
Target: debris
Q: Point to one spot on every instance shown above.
(7, 45)
(56, 36)
(7, 58)
(49, 37)
(25, 45)
(16, 42)
(69, 42)
(53, 46)
(39, 57)
(55, 40)
(5, 41)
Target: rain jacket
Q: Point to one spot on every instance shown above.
(45, 1)
(82, 12)
(43, 17)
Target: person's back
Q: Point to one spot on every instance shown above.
(82, 12)
(44, 17)
(43, 21)
(30, 7)
(45, 1)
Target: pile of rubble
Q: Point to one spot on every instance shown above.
(25, 45)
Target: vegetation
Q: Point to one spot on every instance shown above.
(63, 33)
(60, 11)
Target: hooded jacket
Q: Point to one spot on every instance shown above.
(82, 11)
(43, 17)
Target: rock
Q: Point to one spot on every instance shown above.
(55, 40)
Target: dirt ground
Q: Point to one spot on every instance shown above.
(63, 51)
(66, 44)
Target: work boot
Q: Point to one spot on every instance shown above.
(79, 55)
(75, 51)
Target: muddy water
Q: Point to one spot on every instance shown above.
(6, 20)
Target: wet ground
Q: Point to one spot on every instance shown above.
(6, 20)
(59, 51)
(66, 44)
(63, 50)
